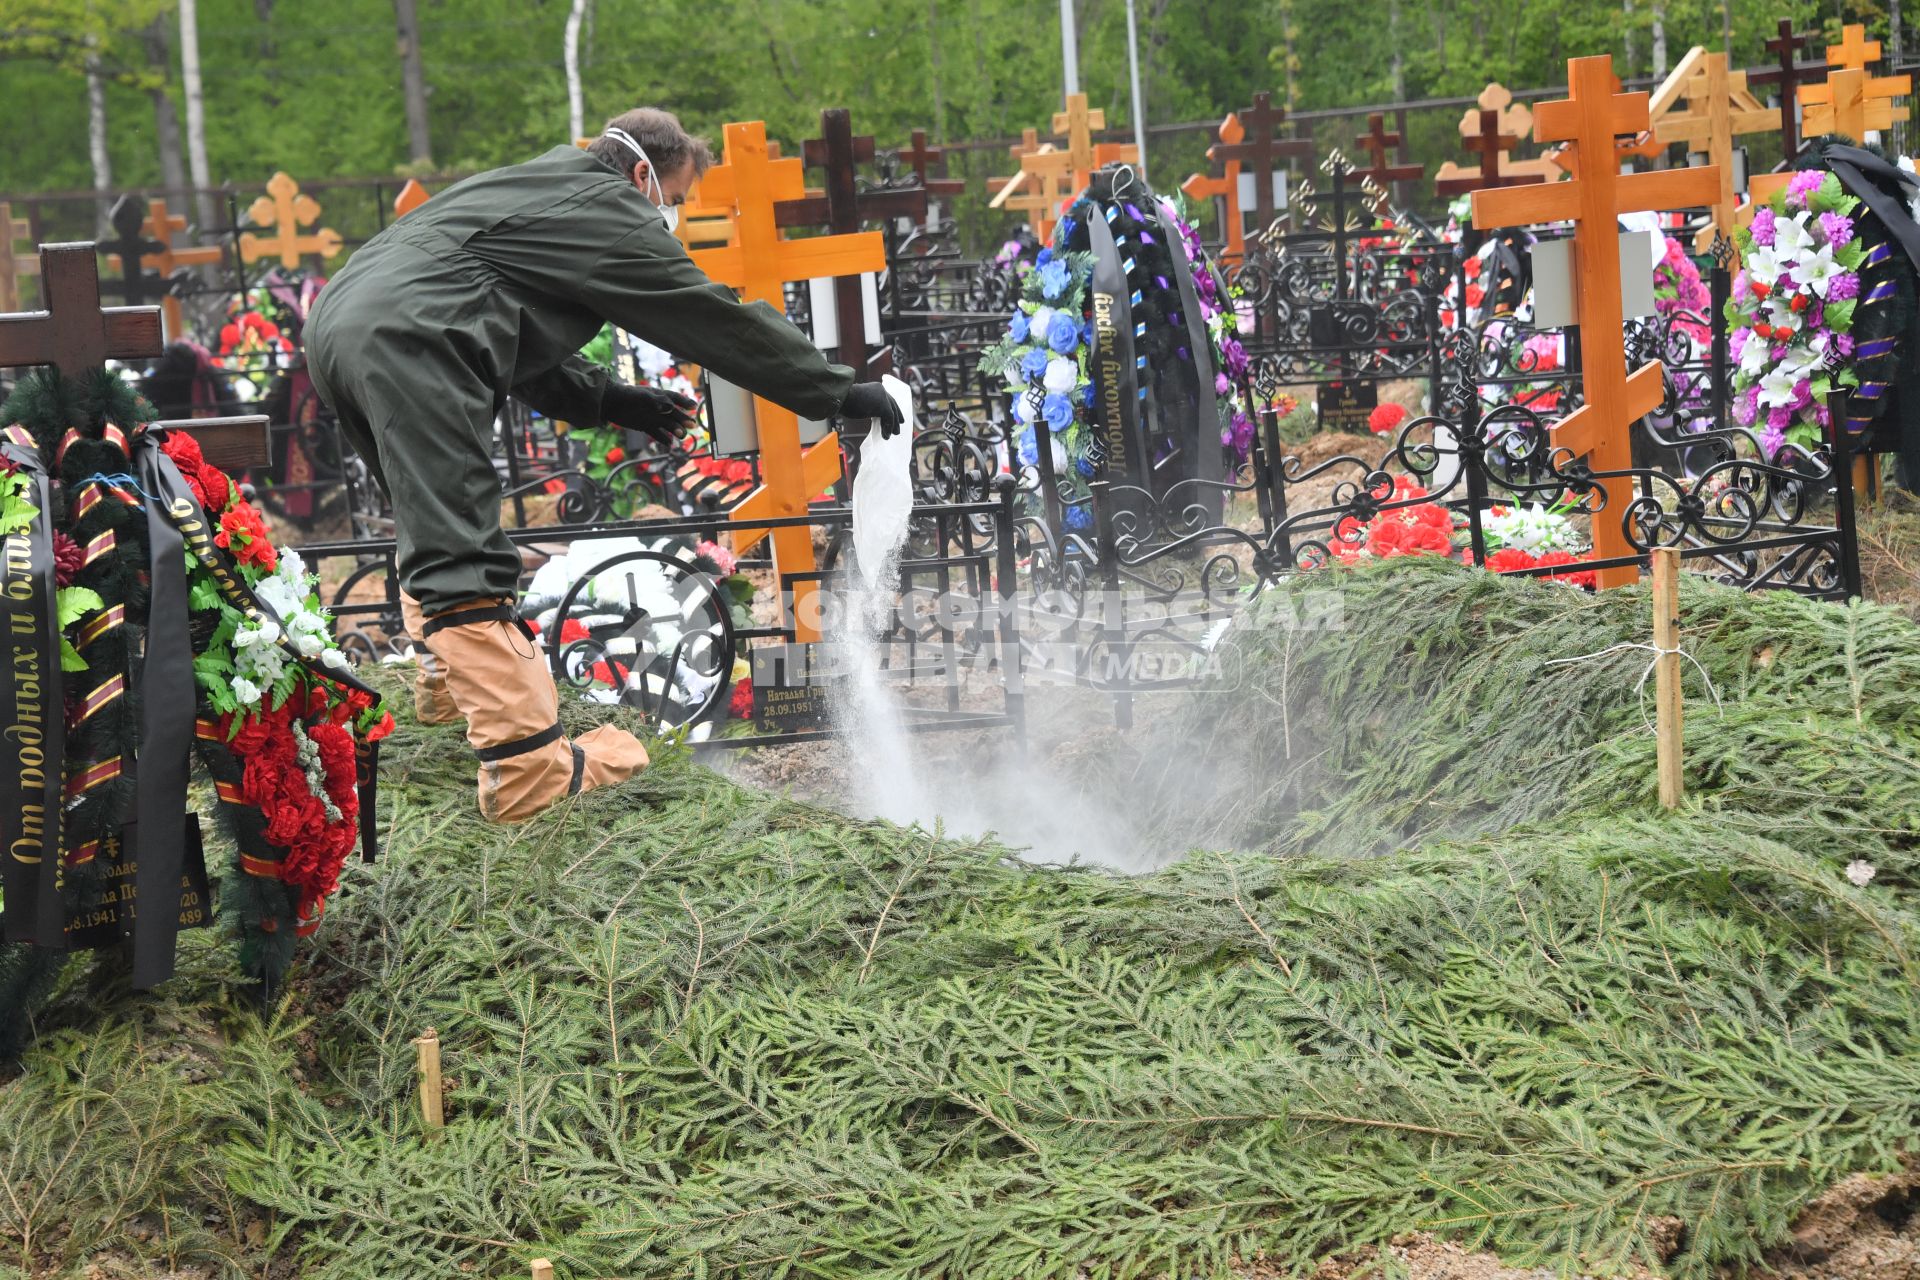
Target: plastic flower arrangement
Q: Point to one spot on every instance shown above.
(1386, 417)
(1525, 539)
(1531, 528)
(1791, 311)
(270, 690)
(1679, 295)
(1045, 354)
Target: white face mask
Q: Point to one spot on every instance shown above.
(669, 213)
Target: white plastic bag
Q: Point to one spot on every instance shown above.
(883, 493)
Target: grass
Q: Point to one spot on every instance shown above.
(693, 1030)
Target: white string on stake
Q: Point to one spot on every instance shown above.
(1640, 688)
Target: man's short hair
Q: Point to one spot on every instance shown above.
(667, 144)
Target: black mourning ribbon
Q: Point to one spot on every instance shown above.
(167, 700)
(32, 720)
(1856, 168)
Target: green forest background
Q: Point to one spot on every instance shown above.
(314, 86)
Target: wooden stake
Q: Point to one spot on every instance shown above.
(431, 1109)
(542, 1269)
(1666, 687)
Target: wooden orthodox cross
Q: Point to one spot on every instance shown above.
(760, 264)
(1048, 171)
(1376, 142)
(1226, 187)
(74, 333)
(1719, 108)
(929, 165)
(841, 209)
(1261, 150)
(1590, 118)
(1492, 130)
(1787, 75)
(285, 210)
(12, 267)
(1077, 124)
(1851, 102)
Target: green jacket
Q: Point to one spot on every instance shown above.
(517, 268)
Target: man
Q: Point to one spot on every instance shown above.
(486, 291)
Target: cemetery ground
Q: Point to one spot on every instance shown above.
(690, 1027)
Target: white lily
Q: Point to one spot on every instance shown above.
(1776, 385)
(1767, 263)
(1755, 356)
(1816, 269)
(1791, 238)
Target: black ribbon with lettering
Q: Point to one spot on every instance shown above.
(33, 744)
(1202, 436)
(167, 696)
(1115, 387)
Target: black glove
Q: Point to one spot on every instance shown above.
(664, 415)
(870, 400)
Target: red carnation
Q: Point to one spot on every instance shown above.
(740, 702)
(1386, 417)
(382, 729)
(1585, 578)
(615, 456)
(184, 450)
(1507, 559)
(244, 533)
(68, 559)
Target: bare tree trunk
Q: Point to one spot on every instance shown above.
(1627, 62)
(413, 83)
(97, 129)
(1288, 34)
(1393, 41)
(1726, 29)
(1659, 39)
(196, 109)
(575, 112)
(166, 120)
(1894, 46)
(933, 55)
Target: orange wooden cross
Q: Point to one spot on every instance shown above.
(411, 197)
(285, 210)
(1077, 124)
(12, 267)
(160, 228)
(1590, 118)
(1227, 186)
(1851, 102)
(1719, 107)
(760, 264)
(1039, 189)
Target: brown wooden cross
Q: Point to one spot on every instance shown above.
(12, 267)
(1376, 142)
(841, 209)
(1261, 150)
(1719, 108)
(929, 165)
(411, 197)
(1226, 186)
(1492, 129)
(1787, 75)
(1590, 118)
(75, 334)
(1851, 102)
(760, 264)
(286, 210)
(72, 331)
(1077, 125)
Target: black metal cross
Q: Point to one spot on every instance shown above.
(1260, 152)
(137, 285)
(1788, 76)
(75, 333)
